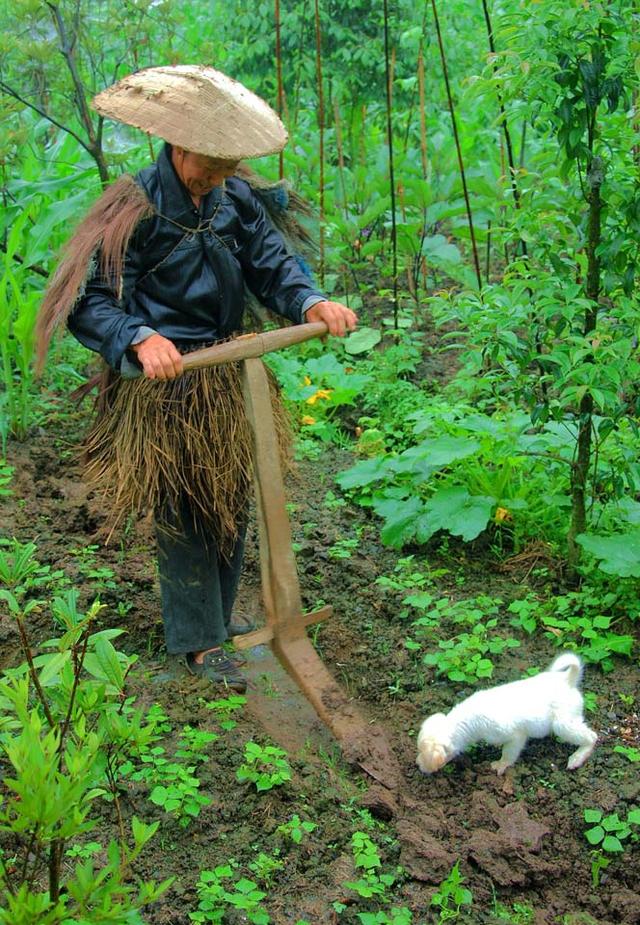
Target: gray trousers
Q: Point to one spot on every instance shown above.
(197, 585)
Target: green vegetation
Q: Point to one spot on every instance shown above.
(485, 419)
(451, 896)
(66, 728)
(265, 766)
(608, 832)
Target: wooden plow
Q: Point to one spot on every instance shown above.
(363, 743)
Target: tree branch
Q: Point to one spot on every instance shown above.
(30, 266)
(66, 49)
(5, 88)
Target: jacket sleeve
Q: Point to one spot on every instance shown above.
(98, 320)
(272, 274)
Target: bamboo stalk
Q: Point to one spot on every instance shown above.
(445, 72)
(504, 122)
(279, 80)
(423, 120)
(321, 124)
(420, 262)
(340, 149)
(302, 53)
(392, 185)
(582, 459)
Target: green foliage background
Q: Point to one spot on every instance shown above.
(542, 95)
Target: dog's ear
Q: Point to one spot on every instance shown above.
(439, 757)
(432, 756)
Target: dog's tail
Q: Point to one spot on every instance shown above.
(569, 663)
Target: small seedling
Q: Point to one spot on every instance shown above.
(401, 916)
(195, 742)
(84, 851)
(517, 914)
(607, 833)
(175, 788)
(265, 867)
(633, 754)
(215, 896)
(332, 502)
(366, 857)
(265, 766)
(157, 718)
(343, 549)
(225, 707)
(6, 474)
(451, 895)
(598, 863)
(85, 557)
(296, 828)
(180, 798)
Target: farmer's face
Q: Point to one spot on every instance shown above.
(199, 173)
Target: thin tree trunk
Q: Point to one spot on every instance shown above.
(321, 124)
(423, 120)
(279, 79)
(505, 124)
(580, 471)
(392, 186)
(94, 133)
(340, 148)
(445, 72)
(420, 261)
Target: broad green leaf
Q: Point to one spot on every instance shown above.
(362, 340)
(440, 452)
(618, 554)
(630, 510)
(458, 512)
(611, 823)
(595, 835)
(401, 520)
(612, 844)
(53, 666)
(158, 795)
(104, 663)
(363, 473)
(58, 213)
(439, 250)
(141, 831)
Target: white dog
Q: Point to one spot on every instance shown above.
(510, 714)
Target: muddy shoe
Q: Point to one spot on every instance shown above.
(219, 668)
(241, 623)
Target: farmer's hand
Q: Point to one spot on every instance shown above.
(158, 357)
(337, 317)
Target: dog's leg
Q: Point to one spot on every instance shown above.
(510, 752)
(576, 732)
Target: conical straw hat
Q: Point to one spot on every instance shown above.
(196, 108)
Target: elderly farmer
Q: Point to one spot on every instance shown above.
(158, 268)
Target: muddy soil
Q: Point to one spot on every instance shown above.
(519, 838)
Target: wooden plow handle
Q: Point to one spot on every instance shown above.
(253, 345)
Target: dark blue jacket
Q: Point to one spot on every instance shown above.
(186, 268)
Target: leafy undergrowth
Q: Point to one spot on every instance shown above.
(262, 820)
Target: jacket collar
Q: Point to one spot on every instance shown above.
(176, 201)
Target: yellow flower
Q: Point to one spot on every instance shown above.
(321, 393)
(307, 419)
(306, 381)
(502, 514)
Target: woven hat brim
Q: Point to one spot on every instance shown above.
(196, 108)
